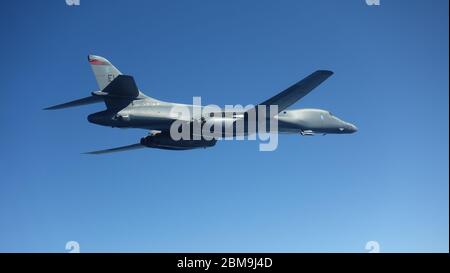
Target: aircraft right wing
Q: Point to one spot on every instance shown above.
(297, 91)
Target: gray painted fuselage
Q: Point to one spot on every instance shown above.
(128, 107)
(153, 114)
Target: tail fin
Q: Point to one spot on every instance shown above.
(104, 71)
(120, 92)
(116, 90)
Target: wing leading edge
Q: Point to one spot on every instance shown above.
(298, 90)
(117, 149)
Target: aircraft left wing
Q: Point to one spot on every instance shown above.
(117, 149)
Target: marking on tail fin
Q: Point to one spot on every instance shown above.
(105, 72)
(97, 62)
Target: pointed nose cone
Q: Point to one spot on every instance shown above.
(353, 128)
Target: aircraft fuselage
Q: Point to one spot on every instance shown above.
(153, 115)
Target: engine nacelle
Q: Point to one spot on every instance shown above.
(165, 141)
(307, 133)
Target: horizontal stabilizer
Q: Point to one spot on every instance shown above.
(122, 86)
(79, 102)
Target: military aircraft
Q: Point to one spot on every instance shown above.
(128, 107)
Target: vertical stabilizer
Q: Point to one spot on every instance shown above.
(103, 70)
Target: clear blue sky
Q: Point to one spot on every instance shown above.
(389, 182)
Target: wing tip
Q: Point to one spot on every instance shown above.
(325, 72)
(54, 107)
(117, 149)
(88, 153)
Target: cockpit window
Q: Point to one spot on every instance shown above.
(331, 114)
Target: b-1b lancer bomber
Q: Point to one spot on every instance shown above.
(128, 107)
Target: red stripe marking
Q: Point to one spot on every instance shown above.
(96, 62)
